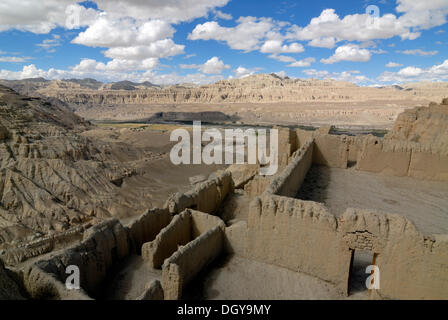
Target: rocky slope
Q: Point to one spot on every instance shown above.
(59, 174)
(427, 125)
(52, 178)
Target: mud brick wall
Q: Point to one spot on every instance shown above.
(177, 233)
(103, 245)
(298, 235)
(304, 236)
(184, 228)
(288, 182)
(146, 227)
(205, 197)
(189, 260)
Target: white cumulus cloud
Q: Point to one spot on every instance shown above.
(348, 52)
(242, 72)
(438, 72)
(212, 66)
(159, 49)
(43, 16)
(107, 32)
(277, 46)
(221, 15)
(302, 63)
(246, 36)
(419, 52)
(353, 76)
(393, 65)
(410, 72)
(329, 26)
(14, 59)
(171, 10)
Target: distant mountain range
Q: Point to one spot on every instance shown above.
(32, 84)
(260, 88)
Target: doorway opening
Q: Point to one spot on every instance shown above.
(360, 260)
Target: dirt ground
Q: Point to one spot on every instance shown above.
(425, 203)
(378, 114)
(235, 207)
(130, 279)
(238, 278)
(156, 177)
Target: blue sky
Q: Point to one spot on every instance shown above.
(202, 41)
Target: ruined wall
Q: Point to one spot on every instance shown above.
(205, 197)
(257, 185)
(304, 236)
(146, 227)
(288, 182)
(412, 266)
(385, 156)
(202, 222)
(184, 228)
(43, 285)
(392, 157)
(236, 237)
(189, 260)
(287, 144)
(403, 158)
(16, 255)
(242, 173)
(302, 136)
(298, 235)
(354, 146)
(107, 243)
(429, 164)
(103, 245)
(177, 233)
(331, 150)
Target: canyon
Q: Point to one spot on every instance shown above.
(258, 99)
(105, 198)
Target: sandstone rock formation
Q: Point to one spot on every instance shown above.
(423, 124)
(44, 168)
(262, 88)
(255, 99)
(54, 181)
(253, 89)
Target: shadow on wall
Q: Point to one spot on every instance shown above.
(305, 236)
(315, 185)
(106, 244)
(184, 228)
(360, 260)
